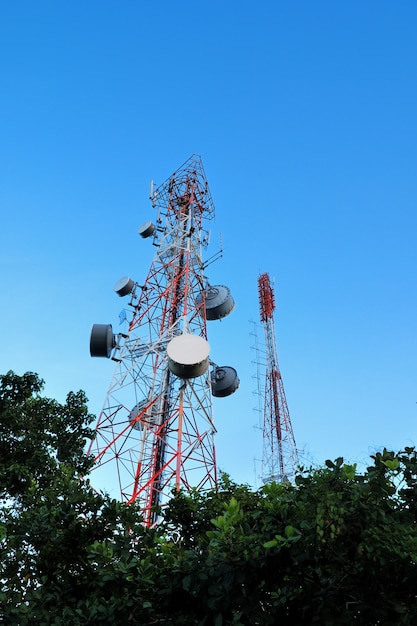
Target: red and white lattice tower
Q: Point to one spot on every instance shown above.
(156, 431)
(279, 458)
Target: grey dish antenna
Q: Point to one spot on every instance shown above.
(224, 381)
(146, 230)
(219, 302)
(148, 416)
(102, 340)
(124, 286)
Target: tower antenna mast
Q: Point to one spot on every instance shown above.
(279, 457)
(155, 433)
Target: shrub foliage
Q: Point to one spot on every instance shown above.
(336, 547)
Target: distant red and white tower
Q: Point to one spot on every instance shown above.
(156, 431)
(279, 457)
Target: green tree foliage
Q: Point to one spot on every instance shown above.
(51, 520)
(337, 547)
(38, 435)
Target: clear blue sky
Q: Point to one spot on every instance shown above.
(304, 114)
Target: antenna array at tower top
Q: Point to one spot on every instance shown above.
(266, 297)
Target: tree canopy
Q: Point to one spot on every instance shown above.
(338, 546)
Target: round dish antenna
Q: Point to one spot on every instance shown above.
(146, 230)
(124, 286)
(219, 302)
(188, 355)
(102, 340)
(147, 417)
(224, 381)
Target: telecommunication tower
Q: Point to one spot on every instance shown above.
(279, 457)
(155, 433)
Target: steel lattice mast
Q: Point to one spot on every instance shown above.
(279, 457)
(156, 430)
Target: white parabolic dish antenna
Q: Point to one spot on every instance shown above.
(188, 355)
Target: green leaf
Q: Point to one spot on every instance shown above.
(391, 464)
(289, 531)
